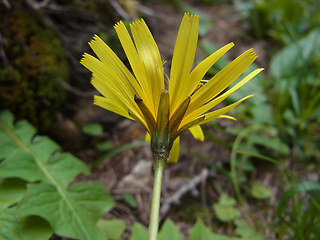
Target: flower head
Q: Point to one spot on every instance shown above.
(164, 107)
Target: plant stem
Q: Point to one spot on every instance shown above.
(155, 204)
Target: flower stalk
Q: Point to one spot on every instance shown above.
(159, 164)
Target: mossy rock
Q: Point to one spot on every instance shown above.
(30, 78)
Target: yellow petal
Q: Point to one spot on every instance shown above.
(111, 61)
(116, 99)
(197, 74)
(147, 137)
(222, 79)
(216, 101)
(109, 92)
(107, 76)
(151, 59)
(135, 62)
(183, 56)
(227, 117)
(175, 151)
(197, 132)
(215, 114)
(107, 82)
(111, 106)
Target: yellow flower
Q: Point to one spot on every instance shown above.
(164, 107)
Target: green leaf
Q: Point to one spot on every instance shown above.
(225, 209)
(129, 199)
(104, 146)
(113, 229)
(12, 191)
(72, 212)
(29, 228)
(93, 129)
(139, 232)
(272, 143)
(246, 231)
(169, 231)
(34, 158)
(200, 232)
(296, 56)
(259, 191)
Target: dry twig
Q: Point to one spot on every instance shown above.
(189, 186)
(6, 4)
(119, 9)
(38, 5)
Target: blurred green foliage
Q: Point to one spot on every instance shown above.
(35, 64)
(302, 220)
(295, 96)
(225, 208)
(287, 100)
(280, 124)
(283, 20)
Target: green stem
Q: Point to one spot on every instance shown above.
(155, 205)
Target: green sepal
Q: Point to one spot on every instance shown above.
(163, 112)
(137, 120)
(161, 141)
(187, 126)
(178, 115)
(150, 121)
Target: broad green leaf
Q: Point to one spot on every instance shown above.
(28, 228)
(34, 158)
(200, 232)
(169, 231)
(296, 56)
(259, 191)
(11, 191)
(93, 129)
(71, 212)
(246, 231)
(113, 229)
(139, 232)
(225, 209)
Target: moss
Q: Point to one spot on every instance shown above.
(30, 84)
